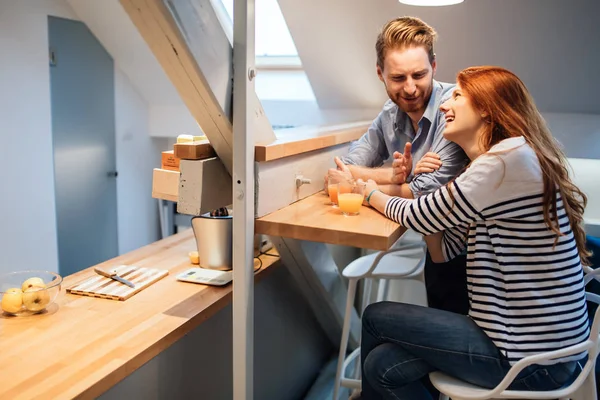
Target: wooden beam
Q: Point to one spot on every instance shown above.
(197, 80)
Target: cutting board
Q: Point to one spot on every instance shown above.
(106, 288)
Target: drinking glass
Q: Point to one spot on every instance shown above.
(350, 197)
(332, 188)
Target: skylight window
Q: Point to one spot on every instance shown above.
(273, 37)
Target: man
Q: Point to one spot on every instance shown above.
(411, 120)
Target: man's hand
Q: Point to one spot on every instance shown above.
(343, 167)
(341, 173)
(402, 165)
(429, 163)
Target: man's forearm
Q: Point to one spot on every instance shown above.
(382, 176)
(402, 190)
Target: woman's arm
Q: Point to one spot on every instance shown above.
(434, 245)
(430, 216)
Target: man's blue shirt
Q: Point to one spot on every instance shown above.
(393, 128)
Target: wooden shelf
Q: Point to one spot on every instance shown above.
(304, 139)
(83, 346)
(315, 220)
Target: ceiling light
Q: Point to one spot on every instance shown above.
(430, 2)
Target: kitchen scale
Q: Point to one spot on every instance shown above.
(212, 277)
(206, 276)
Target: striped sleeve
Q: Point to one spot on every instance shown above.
(454, 241)
(437, 212)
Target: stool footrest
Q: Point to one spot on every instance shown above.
(348, 382)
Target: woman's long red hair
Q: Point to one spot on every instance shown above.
(510, 111)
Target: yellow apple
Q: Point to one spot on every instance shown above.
(12, 301)
(33, 282)
(36, 299)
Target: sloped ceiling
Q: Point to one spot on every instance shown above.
(553, 45)
(114, 29)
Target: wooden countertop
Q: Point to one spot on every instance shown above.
(83, 346)
(312, 218)
(308, 138)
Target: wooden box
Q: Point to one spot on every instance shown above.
(169, 161)
(194, 151)
(165, 184)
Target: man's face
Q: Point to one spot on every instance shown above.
(408, 78)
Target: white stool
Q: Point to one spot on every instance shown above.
(405, 261)
(583, 388)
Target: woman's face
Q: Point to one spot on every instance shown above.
(463, 121)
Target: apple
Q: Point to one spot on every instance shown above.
(194, 259)
(33, 282)
(36, 299)
(12, 301)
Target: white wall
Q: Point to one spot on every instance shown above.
(580, 136)
(578, 133)
(27, 207)
(170, 120)
(137, 155)
(27, 204)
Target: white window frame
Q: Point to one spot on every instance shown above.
(273, 63)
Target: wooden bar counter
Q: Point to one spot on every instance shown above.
(82, 346)
(301, 231)
(313, 219)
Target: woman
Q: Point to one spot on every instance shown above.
(519, 216)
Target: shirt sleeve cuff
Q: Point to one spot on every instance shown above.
(414, 188)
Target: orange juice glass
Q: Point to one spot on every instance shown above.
(333, 193)
(332, 188)
(350, 197)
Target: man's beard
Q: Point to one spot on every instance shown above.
(408, 108)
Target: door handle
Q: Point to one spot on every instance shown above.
(112, 174)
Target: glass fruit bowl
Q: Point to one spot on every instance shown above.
(28, 292)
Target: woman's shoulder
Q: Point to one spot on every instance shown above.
(512, 154)
(515, 151)
(516, 157)
(508, 145)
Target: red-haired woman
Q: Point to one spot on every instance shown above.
(519, 216)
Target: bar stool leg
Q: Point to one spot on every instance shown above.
(345, 335)
(366, 294)
(382, 290)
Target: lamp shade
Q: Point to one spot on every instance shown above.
(430, 2)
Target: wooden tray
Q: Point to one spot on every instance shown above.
(106, 288)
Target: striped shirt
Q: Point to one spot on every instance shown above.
(526, 293)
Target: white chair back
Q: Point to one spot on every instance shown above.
(583, 388)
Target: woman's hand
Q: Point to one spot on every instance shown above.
(370, 185)
(429, 163)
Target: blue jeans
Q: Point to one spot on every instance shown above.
(403, 343)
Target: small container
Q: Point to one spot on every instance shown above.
(214, 236)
